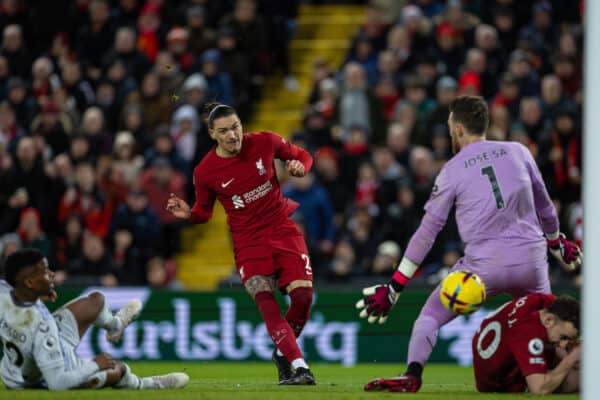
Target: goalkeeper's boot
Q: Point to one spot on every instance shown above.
(402, 383)
(302, 376)
(284, 368)
(174, 380)
(126, 314)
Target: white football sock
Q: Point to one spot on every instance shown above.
(299, 363)
(107, 320)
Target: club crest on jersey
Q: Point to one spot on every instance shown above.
(260, 167)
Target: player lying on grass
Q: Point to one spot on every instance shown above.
(503, 211)
(39, 347)
(530, 344)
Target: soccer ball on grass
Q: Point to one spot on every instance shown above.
(462, 292)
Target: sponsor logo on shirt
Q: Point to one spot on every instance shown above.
(225, 184)
(257, 192)
(537, 360)
(237, 201)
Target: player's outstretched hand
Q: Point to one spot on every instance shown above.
(295, 168)
(105, 361)
(567, 253)
(377, 302)
(178, 207)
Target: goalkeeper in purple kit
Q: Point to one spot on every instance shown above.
(505, 218)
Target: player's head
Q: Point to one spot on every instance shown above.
(469, 116)
(27, 269)
(561, 321)
(225, 127)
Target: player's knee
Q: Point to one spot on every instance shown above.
(96, 301)
(301, 298)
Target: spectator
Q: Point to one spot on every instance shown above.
(316, 212)
(15, 51)
(87, 201)
(184, 130)
(95, 266)
(159, 181)
(95, 38)
(31, 233)
(201, 37)
(356, 104)
(327, 172)
(69, 243)
(9, 243)
(386, 258)
(93, 127)
(126, 161)
(137, 216)
(127, 261)
(220, 87)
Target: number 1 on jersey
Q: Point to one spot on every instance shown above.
(491, 175)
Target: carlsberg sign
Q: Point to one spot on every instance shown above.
(209, 326)
(225, 325)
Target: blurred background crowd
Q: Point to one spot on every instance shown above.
(100, 119)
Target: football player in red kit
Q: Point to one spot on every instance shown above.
(270, 251)
(527, 345)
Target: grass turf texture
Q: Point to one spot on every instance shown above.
(257, 381)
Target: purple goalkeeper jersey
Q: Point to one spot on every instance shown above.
(502, 206)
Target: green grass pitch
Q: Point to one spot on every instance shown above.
(256, 381)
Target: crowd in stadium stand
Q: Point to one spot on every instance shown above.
(100, 119)
(378, 124)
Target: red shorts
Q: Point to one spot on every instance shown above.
(281, 253)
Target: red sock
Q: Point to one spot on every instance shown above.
(297, 314)
(277, 326)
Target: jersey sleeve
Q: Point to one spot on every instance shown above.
(4, 286)
(205, 200)
(284, 150)
(47, 353)
(527, 346)
(437, 209)
(543, 204)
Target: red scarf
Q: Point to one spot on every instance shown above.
(561, 168)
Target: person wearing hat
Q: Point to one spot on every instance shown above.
(194, 89)
(178, 46)
(386, 257)
(219, 82)
(446, 88)
(125, 158)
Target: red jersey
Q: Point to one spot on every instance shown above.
(510, 344)
(247, 186)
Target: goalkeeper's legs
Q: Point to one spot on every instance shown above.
(424, 336)
(425, 330)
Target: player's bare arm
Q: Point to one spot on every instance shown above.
(259, 283)
(178, 207)
(549, 382)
